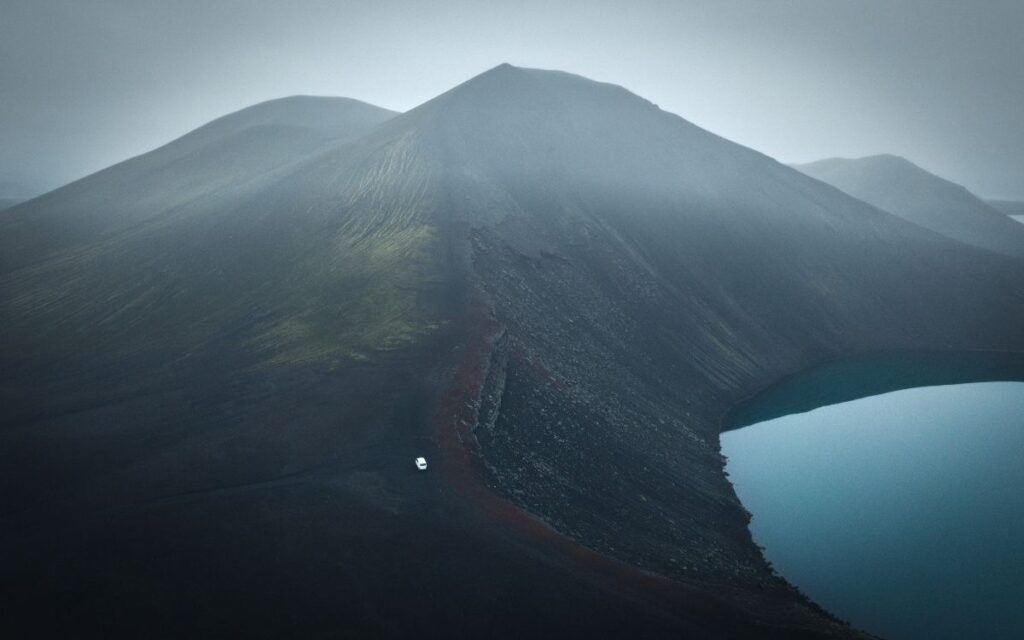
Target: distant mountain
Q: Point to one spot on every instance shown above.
(216, 381)
(904, 189)
(11, 193)
(1011, 208)
(1008, 207)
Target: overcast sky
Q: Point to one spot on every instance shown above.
(86, 83)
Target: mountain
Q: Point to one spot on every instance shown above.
(1011, 208)
(900, 187)
(11, 193)
(181, 177)
(1008, 207)
(545, 285)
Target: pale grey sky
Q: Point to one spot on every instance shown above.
(84, 84)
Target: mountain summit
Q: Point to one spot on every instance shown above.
(222, 358)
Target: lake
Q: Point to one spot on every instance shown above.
(902, 513)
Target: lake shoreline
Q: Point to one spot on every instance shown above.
(914, 368)
(838, 380)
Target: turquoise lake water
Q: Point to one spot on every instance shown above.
(902, 513)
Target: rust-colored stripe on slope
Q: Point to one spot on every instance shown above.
(463, 466)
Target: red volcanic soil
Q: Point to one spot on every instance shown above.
(463, 467)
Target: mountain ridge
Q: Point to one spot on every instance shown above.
(1012, 208)
(264, 137)
(899, 186)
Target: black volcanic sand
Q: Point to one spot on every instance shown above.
(329, 532)
(357, 542)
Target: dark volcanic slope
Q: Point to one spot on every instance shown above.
(904, 189)
(547, 285)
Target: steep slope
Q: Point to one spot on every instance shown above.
(181, 177)
(904, 189)
(547, 285)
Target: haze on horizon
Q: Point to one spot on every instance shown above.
(940, 82)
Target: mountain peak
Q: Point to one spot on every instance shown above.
(899, 186)
(889, 160)
(874, 161)
(508, 87)
(317, 112)
(504, 66)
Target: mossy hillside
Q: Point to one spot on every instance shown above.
(371, 281)
(322, 261)
(367, 296)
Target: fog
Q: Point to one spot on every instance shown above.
(85, 85)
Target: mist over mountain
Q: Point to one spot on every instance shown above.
(901, 187)
(546, 285)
